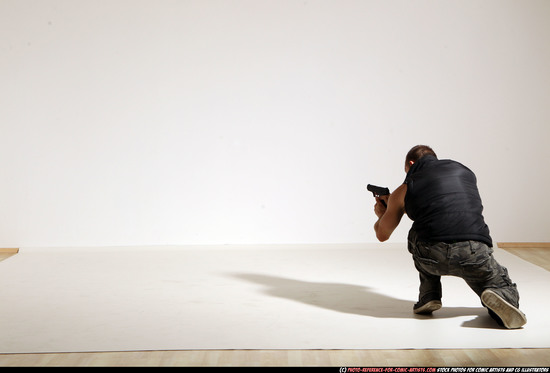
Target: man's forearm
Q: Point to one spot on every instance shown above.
(376, 225)
(379, 235)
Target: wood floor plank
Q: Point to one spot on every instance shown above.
(537, 255)
(285, 358)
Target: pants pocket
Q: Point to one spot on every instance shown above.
(427, 261)
(479, 270)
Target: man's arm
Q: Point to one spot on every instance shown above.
(390, 217)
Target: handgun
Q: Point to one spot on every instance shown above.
(378, 192)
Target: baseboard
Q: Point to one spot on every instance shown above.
(8, 251)
(522, 245)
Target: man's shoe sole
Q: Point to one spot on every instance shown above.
(511, 317)
(428, 308)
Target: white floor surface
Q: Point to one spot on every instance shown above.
(249, 297)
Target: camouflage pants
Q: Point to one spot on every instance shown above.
(471, 260)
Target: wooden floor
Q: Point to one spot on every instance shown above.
(539, 255)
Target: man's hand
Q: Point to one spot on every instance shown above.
(380, 208)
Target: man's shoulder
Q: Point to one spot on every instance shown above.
(401, 188)
(400, 192)
(450, 163)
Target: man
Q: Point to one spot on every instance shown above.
(449, 235)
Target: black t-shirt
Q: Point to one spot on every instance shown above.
(443, 201)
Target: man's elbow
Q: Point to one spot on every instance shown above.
(382, 230)
(382, 236)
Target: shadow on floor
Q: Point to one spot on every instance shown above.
(358, 300)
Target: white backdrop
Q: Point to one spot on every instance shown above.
(128, 122)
